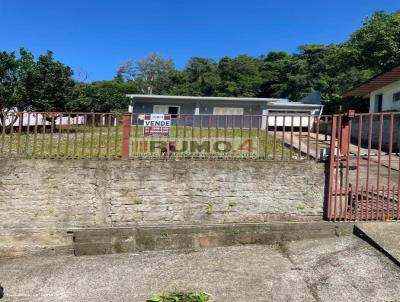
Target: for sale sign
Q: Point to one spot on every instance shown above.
(156, 124)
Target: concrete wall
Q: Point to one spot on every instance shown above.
(41, 199)
(375, 132)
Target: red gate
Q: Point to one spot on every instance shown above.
(364, 167)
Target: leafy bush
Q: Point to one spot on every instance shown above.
(179, 297)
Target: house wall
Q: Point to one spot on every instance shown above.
(248, 109)
(387, 103)
(292, 115)
(253, 112)
(376, 137)
(147, 107)
(189, 108)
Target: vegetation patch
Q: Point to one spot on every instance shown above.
(180, 297)
(80, 142)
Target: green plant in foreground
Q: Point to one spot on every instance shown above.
(179, 297)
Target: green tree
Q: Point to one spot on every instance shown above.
(41, 85)
(313, 67)
(331, 69)
(239, 76)
(9, 81)
(376, 45)
(150, 73)
(199, 77)
(53, 84)
(102, 96)
(281, 75)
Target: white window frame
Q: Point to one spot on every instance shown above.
(225, 110)
(163, 109)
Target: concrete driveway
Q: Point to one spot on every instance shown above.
(336, 269)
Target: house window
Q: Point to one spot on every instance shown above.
(166, 109)
(174, 111)
(396, 97)
(227, 111)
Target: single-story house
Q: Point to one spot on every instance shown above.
(254, 109)
(382, 90)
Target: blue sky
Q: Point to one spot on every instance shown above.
(96, 36)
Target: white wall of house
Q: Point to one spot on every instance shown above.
(31, 119)
(387, 93)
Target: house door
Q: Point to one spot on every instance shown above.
(378, 103)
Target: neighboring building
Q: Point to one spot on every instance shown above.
(382, 90)
(24, 119)
(195, 105)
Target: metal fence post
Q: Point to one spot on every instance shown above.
(329, 210)
(345, 135)
(126, 134)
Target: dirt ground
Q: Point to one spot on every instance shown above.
(339, 269)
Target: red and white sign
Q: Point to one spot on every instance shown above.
(156, 124)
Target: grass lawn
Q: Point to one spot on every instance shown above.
(106, 142)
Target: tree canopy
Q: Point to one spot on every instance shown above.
(28, 84)
(102, 96)
(149, 73)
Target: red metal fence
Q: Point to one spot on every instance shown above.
(364, 167)
(60, 135)
(364, 163)
(121, 136)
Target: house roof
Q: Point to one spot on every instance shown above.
(273, 103)
(144, 97)
(381, 80)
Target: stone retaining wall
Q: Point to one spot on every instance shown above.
(41, 199)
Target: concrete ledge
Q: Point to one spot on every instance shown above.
(27, 241)
(384, 236)
(97, 241)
